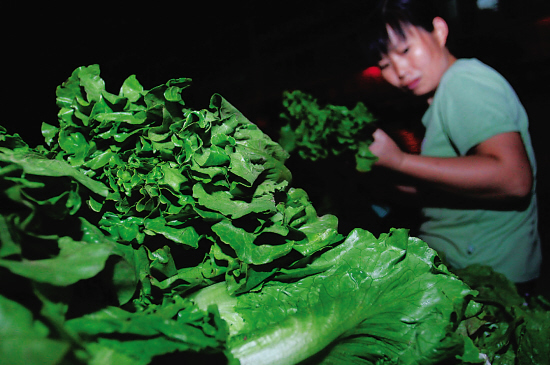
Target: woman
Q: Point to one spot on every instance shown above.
(476, 173)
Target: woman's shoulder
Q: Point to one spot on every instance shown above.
(472, 79)
(471, 70)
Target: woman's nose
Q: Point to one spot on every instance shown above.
(400, 69)
(400, 66)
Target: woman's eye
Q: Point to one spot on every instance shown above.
(383, 63)
(405, 50)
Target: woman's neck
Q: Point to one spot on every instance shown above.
(447, 61)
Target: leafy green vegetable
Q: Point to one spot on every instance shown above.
(174, 326)
(367, 300)
(509, 329)
(208, 177)
(316, 132)
(57, 269)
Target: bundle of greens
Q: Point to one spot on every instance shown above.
(147, 230)
(317, 132)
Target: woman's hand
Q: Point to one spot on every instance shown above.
(388, 152)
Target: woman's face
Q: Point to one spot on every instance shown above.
(417, 62)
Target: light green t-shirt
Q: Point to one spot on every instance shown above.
(473, 102)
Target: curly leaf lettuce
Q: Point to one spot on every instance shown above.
(316, 132)
(59, 273)
(193, 179)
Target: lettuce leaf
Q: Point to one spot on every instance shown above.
(159, 329)
(365, 301)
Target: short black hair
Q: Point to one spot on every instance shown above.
(396, 14)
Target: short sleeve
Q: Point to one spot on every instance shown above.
(477, 105)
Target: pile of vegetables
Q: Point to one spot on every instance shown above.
(146, 231)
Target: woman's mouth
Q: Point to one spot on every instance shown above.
(413, 84)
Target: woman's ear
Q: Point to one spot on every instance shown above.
(441, 30)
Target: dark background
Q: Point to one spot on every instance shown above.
(250, 53)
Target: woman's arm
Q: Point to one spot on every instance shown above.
(497, 168)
